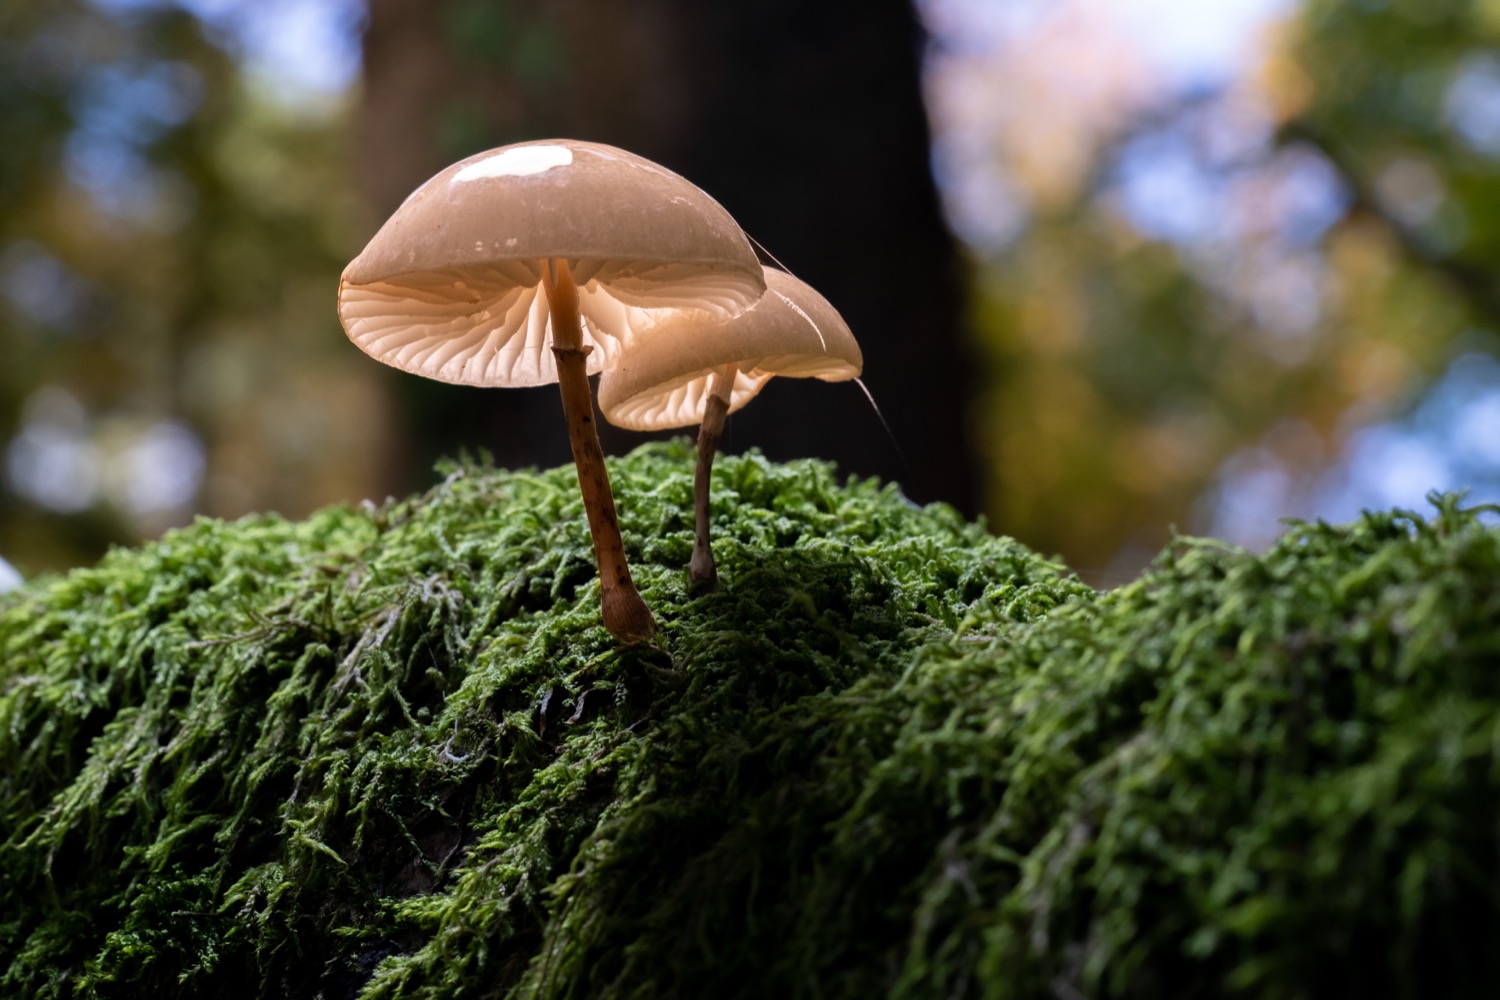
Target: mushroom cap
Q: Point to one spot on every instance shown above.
(663, 380)
(451, 286)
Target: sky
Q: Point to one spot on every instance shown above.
(307, 48)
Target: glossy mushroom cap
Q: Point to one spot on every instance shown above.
(451, 286)
(662, 381)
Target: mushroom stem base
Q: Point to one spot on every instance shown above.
(703, 575)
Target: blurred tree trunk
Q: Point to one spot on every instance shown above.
(807, 124)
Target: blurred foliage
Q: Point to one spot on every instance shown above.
(1143, 373)
(170, 241)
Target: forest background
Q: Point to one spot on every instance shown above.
(1117, 267)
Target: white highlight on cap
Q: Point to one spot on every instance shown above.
(519, 161)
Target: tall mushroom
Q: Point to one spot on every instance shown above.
(688, 372)
(533, 263)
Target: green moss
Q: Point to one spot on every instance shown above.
(391, 753)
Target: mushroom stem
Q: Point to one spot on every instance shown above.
(625, 613)
(703, 577)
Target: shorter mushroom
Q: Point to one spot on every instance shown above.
(690, 370)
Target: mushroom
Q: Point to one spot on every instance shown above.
(533, 263)
(689, 371)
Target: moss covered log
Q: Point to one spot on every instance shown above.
(390, 752)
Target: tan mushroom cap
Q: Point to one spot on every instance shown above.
(451, 286)
(663, 380)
